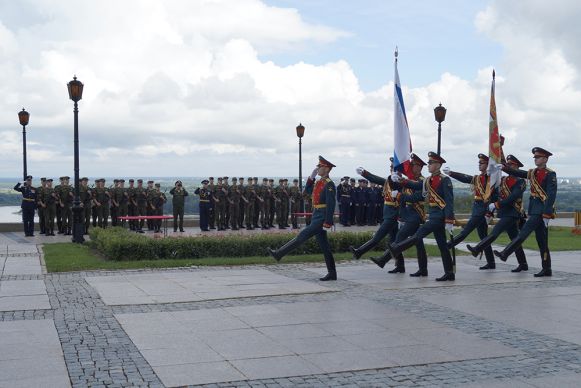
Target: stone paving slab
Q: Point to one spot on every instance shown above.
(466, 275)
(31, 355)
(23, 295)
(173, 287)
(21, 265)
(560, 381)
(294, 339)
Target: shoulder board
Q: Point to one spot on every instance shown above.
(548, 169)
(328, 180)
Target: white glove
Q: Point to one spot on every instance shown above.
(395, 177)
(498, 167)
(488, 219)
(314, 173)
(546, 221)
(446, 170)
(394, 193)
(400, 224)
(491, 207)
(360, 170)
(449, 227)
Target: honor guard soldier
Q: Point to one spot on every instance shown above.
(390, 213)
(344, 199)
(48, 202)
(277, 203)
(323, 193)
(212, 210)
(141, 200)
(543, 187)
(243, 203)
(157, 200)
(39, 196)
(86, 198)
(480, 217)
(179, 194)
(440, 197)
(295, 203)
(204, 193)
(220, 199)
(371, 204)
(411, 215)
(66, 197)
(131, 204)
(508, 207)
(114, 205)
(28, 204)
(250, 195)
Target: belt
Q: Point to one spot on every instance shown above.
(204, 200)
(28, 199)
(345, 195)
(390, 203)
(320, 206)
(433, 205)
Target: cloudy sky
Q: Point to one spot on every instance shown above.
(217, 87)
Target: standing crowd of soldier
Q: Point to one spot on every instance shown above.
(359, 205)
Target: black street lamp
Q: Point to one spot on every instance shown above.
(440, 115)
(75, 88)
(300, 134)
(23, 117)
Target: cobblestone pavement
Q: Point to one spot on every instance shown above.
(97, 351)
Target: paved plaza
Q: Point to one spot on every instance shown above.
(278, 326)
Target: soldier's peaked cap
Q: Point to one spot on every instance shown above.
(513, 159)
(49, 180)
(205, 181)
(121, 180)
(434, 157)
(157, 185)
(211, 178)
(140, 181)
(42, 179)
(415, 158)
(265, 179)
(345, 178)
(541, 152)
(249, 178)
(149, 181)
(325, 163)
(28, 177)
(255, 178)
(483, 157)
(85, 178)
(295, 180)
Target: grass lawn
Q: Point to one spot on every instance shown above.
(64, 257)
(560, 239)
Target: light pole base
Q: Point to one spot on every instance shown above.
(78, 224)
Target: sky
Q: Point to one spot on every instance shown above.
(215, 87)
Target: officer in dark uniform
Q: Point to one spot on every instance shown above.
(390, 213)
(344, 199)
(323, 193)
(28, 204)
(508, 206)
(371, 202)
(411, 214)
(543, 187)
(440, 196)
(204, 193)
(480, 216)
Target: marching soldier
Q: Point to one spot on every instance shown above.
(508, 207)
(251, 201)
(205, 194)
(323, 193)
(141, 200)
(390, 213)
(179, 194)
(344, 199)
(295, 202)
(212, 208)
(234, 200)
(116, 195)
(243, 203)
(86, 197)
(157, 200)
(66, 199)
(480, 216)
(440, 196)
(412, 214)
(28, 205)
(41, 210)
(543, 186)
(220, 199)
(49, 199)
(131, 204)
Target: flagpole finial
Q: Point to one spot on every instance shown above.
(395, 53)
(493, 74)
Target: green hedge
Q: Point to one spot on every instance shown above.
(121, 244)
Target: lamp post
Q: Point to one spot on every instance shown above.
(440, 115)
(300, 134)
(23, 117)
(75, 88)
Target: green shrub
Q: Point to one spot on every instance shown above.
(121, 244)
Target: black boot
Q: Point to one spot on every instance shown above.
(488, 266)
(521, 267)
(448, 276)
(398, 248)
(397, 269)
(478, 248)
(358, 252)
(329, 276)
(420, 272)
(509, 249)
(544, 272)
(382, 260)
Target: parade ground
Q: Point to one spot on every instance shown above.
(278, 326)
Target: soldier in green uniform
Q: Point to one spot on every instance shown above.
(123, 202)
(243, 202)
(256, 214)
(250, 196)
(114, 203)
(141, 200)
(220, 199)
(131, 203)
(212, 206)
(66, 197)
(285, 203)
(234, 200)
(48, 203)
(59, 219)
(157, 200)
(295, 203)
(227, 210)
(179, 194)
(278, 204)
(41, 210)
(101, 200)
(271, 203)
(94, 207)
(149, 191)
(86, 197)
(264, 198)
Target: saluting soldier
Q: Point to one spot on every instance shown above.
(220, 200)
(131, 204)
(412, 214)
(390, 213)
(41, 210)
(508, 206)
(157, 200)
(28, 205)
(205, 194)
(250, 195)
(543, 187)
(49, 199)
(66, 197)
(179, 194)
(440, 196)
(141, 200)
(114, 203)
(295, 203)
(86, 198)
(212, 209)
(480, 217)
(323, 193)
(234, 200)
(243, 202)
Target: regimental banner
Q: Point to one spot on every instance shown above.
(401, 134)
(494, 146)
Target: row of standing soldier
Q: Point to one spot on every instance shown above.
(359, 205)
